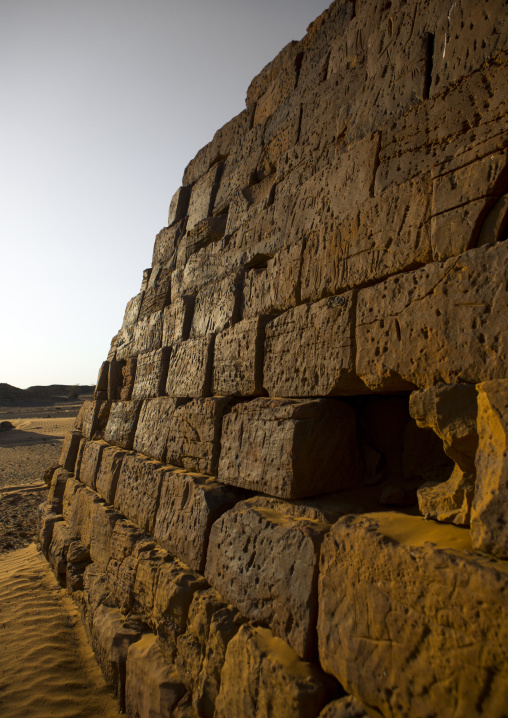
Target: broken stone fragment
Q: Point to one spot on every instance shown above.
(489, 519)
(290, 448)
(394, 630)
(188, 506)
(263, 676)
(193, 434)
(152, 686)
(448, 501)
(122, 422)
(322, 357)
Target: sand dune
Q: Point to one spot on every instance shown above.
(47, 669)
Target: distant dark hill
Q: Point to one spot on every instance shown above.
(41, 395)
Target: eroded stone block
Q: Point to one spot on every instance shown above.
(151, 374)
(122, 422)
(108, 471)
(154, 422)
(137, 491)
(217, 306)
(70, 450)
(90, 461)
(190, 368)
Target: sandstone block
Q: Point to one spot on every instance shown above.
(210, 229)
(179, 204)
(489, 527)
(137, 491)
(151, 374)
(90, 461)
(406, 611)
(322, 359)
(263, 676)
(57, 489)
(158, 291)
(448, 501)
(190, 368)
(108, 471)
(121, 579)
(347, 707)
(238, 358)
(71, 486)
(57, 554)
(128, 378)
(439, 323)
(122, 422)
(271, 283)
(263, 557)
(202, 648)
(203, 195)
(103, 519)
(46, 520)
(177, 320)
(290, 449)
(155, 419)
(193, 434)
(115, 379)
(80, 522)
(217, 306)
(152, 687)
(166, 244)
(70, 450)
(146, 336)
(189, 505)
(112, 634)
(176, 585)
(87, 419)
(145, 583)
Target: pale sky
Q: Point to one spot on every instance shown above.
(103, 104)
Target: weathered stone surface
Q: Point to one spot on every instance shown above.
(190, 368)
(347, 707)
(207, 230)
(152, 687)
(57, 489)
(179, 204)
(203, 196)
(166, 244)
(176, 585)
(322, 357)
(151, 374)
(154, 422)
(238, 358)
(202, 648)
(450, 410)
(489, 523)
(448, 501)
(217, 306)
(149, 563)
(158, 291)
(46, 520)
(193, 434)
(128, 378)
(87, 419)
(138, 488)
(90, 461)
(108, 471)
(80, 521)
(70, 450)
(103, 519)
(271, 284)
(263, 557)
(122, 422)
(439, 323)
(189, 504)
(71, 486)
(57, 554)
(177, 320)
(112, 634)
(262, 676)
(290, 449)
(406, 612)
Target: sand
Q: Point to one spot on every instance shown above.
(47, 667)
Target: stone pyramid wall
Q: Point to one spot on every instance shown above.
(289, 497)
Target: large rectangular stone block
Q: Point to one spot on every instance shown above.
(108, 471)
(190, 368)
(193, 434)
(87, 420)
(217, 306)
(166, 243)
(321, 361)
(444, 322)
(202, 196)
(176, 320)
(290, 449)
(189, 505)
(90, 461)
(154, 422)
(158, 291)
(81, 511)
(151, 374)
(122, 422)
(103, 519)
(272, 283)
(263, 557)
(138, 488)
(70, 450)
(411, 619)
(178, 206)
(238, 358)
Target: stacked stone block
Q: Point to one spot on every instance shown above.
(318, 351)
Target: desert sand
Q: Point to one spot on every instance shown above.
(47, 667)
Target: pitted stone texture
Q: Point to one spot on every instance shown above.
(202, 648)
(166, 243)
(70, 450)
(179, 204)
(203, 195)
(262, 676)
(57, 554)
(81, 512)
(151, 373)
(138, 488)
(238, 358)
(448, 501)
(443, 322)
(263, 558)
(90, 461)
(158, 291)
(122, 342)
(190, 368)
(71, 486)
(122, 422)
(176, 586)
(147, 335)
(56, 490)
(154, 421)
(103, 519)
(193, 434)
(406, 611)
(489, 523)
(450, 410)
(128, 378)
(290, 449)
(152, 687)
(149, 563)
(108, 471)
(189, 505)
(203, 233)
(217, 306)
(177, 320)
(321, 361)
(347, 707)
(87, 419)
(271, 283)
